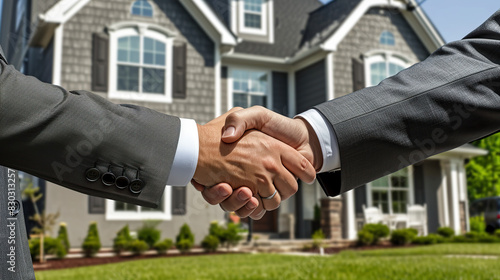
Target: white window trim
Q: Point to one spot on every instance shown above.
(411, 192)
(230, 90)
(142, 31)
(264, 18)
(166, 215)
(387, 32)
(384, 56)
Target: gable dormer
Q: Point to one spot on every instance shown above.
(253, 20)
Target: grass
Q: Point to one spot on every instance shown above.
(425, 262)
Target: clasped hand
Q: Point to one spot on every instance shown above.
(261, 155)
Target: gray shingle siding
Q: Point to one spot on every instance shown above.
(310, 84)
(365, 36)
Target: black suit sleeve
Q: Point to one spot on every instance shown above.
(447, 100)
(59, 135)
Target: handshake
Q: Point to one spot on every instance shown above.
(260, 157)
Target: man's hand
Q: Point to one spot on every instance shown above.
(257, 161)
(295, 132)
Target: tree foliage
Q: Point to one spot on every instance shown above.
(483, 173)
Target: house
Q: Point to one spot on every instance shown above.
(199, 58)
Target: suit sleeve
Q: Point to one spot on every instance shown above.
(447, 100)
(79, 140)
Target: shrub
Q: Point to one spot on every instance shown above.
(477, 224)
(137, 247)
(365, 237)
(184, 245)
(62, 235)
(446, 232)
(486, 238)
(163, 246)
(472, 236)
(428, 240)
(149, 234)
(377, 230)
(51, 246)
(210, 243)
(217, 231)
(318, 237)
(460, 239)
(91, 245)
(497, 233)
(120, 242)
(185, 239)
(401, 237)
(232, 234)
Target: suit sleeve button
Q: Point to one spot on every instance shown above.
(122, 182)
(108, 179)
(92, 174)
(136, 186)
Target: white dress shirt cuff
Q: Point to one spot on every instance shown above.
(326, 137)
(186, 155)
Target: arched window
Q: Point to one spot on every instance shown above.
(387, 38)
(142, 8)
(141, 64)
(382, 65)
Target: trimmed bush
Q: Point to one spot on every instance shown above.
(184, 245)
(318, 237)
(185, 239)
(497, 233)
(472, 236)
(51, 246)
(402, 237)
(378, 231)
(91, 245)
(486, 238)
(62, 235)
(446, 232)
(163, 246)
(137, 247)
(232, 234)
(210, 243)
(365, 237)
(217, 231)
(120, 242)
(149, 234)
(477, 224)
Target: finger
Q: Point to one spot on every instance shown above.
(240, 121)
(259, 212)
(199, 187)
(286, 184)
(297, 164)
(217, 194)
(237, 200)
(248, 209)
(271, 203)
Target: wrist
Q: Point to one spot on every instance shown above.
(314, 145)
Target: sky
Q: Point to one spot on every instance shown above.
(456, 18)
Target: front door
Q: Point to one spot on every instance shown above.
(268, 223)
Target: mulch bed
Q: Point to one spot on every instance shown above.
(78, 262)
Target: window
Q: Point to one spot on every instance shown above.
(142, 8)
(392, 193)
(141, 63)
(250, 88)
(381, 66)
(387, 38)
(117, 210)
(253, 16)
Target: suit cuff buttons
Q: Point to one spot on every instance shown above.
(121, 182)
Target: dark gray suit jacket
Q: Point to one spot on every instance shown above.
(78, 140)
(447, 100)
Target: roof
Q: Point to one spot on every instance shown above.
(464, 151)
(291, 17)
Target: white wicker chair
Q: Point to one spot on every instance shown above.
(417, 218)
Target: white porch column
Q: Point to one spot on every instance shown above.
(444, 218)
(350, 215)
(58, 54)
(454, 195)
(462, 179)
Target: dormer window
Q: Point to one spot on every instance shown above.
(253, 14)
(387, 38)
(142, 8)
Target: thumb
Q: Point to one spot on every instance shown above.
(240, 121)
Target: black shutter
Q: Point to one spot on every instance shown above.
(96, 205)
(358, 74)
(100, 46)
(280, 93)
(179, 75)
(179, 200)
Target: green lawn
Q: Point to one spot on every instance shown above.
(425, 262)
